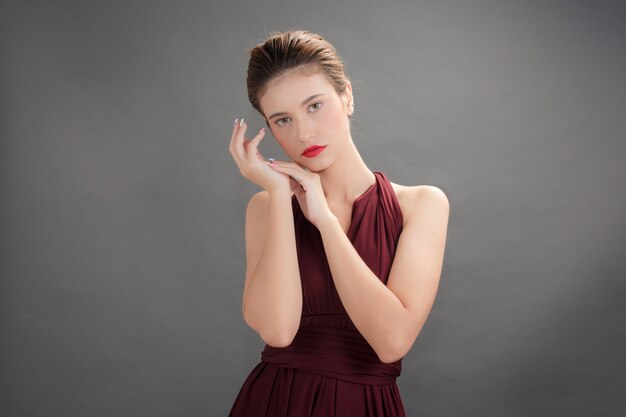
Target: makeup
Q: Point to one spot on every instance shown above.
(312, 151)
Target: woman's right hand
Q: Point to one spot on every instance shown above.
(251, 163)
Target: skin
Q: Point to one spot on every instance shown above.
(388, 316)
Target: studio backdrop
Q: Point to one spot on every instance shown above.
(122, 254)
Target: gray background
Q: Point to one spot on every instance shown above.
(122, 215)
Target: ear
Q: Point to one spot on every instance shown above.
(348, 99)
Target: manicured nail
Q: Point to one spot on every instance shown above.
(236, 120)
(241, 122)
(262, 130)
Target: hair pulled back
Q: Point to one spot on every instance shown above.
(298, 50)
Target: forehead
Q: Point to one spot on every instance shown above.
(288, 91)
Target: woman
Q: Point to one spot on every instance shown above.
(342, 266)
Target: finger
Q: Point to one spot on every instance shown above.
(235, 147)
(257, 139)
(294, 173)
(252, 148)
(233, 135)
(295, 164)
(291, 168)
(239, 138)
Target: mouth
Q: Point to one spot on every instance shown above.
(312, 151)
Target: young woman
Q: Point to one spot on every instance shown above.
(342, 265)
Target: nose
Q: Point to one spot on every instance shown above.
(306, 131)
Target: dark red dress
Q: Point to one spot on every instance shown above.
(329, 370)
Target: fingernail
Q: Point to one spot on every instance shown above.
(262, 130)
(236, 120)
(241, 122)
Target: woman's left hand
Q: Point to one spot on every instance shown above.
(307, 187)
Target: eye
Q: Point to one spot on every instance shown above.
(320, 105)
(277, 122)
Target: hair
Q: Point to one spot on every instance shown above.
(293, 50)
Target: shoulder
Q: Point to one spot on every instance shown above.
(259, 199)
(259, 196)
(258, 204)
(421, 198)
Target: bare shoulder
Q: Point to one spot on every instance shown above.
(414, 198)
(257, 209)
(259, 199)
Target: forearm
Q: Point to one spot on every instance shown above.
(374, 309)
(273, 304)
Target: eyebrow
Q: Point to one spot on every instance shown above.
(303, 103)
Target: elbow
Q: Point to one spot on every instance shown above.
(279, 334)
(278, 339)
(398, 344)
(273, 337)
(272, 333)
(393, 352)
(390, 357)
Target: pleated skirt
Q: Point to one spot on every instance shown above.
(275, 391)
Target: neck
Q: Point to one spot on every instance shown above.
(347, 178)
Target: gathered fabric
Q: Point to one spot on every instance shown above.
(335, 353)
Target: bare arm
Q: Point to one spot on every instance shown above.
(390, 317)
(272, 296)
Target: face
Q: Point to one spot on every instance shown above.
(304, 111)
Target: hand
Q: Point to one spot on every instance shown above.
(307, 187)
(251, 163)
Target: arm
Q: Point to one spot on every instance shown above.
(272, 295)
(390, 317)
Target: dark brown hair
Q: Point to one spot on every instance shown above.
(298, 50)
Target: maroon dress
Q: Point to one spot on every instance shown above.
(329, 370)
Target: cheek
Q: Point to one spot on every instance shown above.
(333, 118)
(283, 140)
(281, 136)
(338, 118)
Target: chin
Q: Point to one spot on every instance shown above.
(317, 166)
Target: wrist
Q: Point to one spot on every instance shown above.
(280, 192)
(327, 222)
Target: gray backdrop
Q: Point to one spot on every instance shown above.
(122, 216)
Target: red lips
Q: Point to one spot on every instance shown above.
(311, 151)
